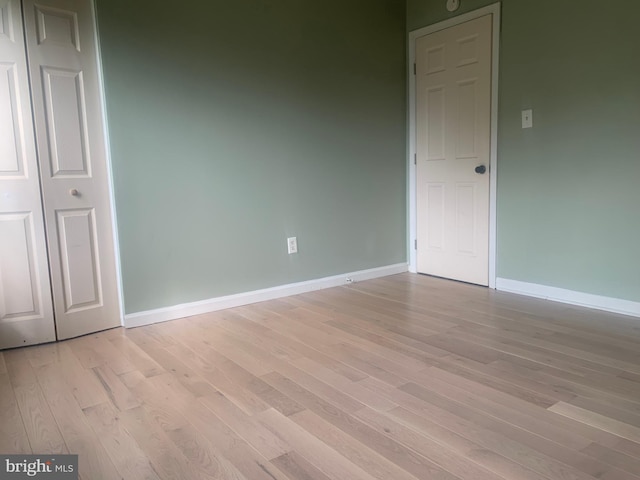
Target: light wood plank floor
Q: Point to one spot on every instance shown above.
(406, 377)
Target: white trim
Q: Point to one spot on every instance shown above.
(230, 301)
(571, 297)
(493, 10)
(107, 147)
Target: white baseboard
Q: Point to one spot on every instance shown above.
(598, 302)
(205, 306)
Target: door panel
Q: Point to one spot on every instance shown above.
(26, 312)
(80, 265)
(56, 26)
(12, 156)
(66, 128)
(71, 146)
(18, 275)
(453, 126)
(435, 216)
(435, 132)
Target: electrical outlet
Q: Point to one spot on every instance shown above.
(527, 118)
(292, 245)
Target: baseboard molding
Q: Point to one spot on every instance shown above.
(220, 303)
(608, 304)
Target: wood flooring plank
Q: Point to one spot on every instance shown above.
(398, 454)
(613, 458)
(13, 436)
(573, 384)
(163, 454)
(257, 334)
(513, 374)
(265, 442)
(202, 455)
(276, 399)
(245, 458)
(76, 431)
(137, 357)
(82, 382)
(308, 381)
(3, 365)
(356, 452)
(19, 368)
(442, 420)
(633, 377)
(296, 467)
(473, 351)
(222, 373)
(234, 349)
(618, 412)
(545, 454)
(454, 436)
(117, 392)
(597, 420)
(407, 345)
(494, 403)
(360, 305)
(509, 443)
(301, 349)
(119, 364)
(573, 355)
(392, 355)
(509, 384)
(443, 456)
(46, 354)
(171, 363)
(173, 434)
(322, 456)
(344, 385)
(130, 461)
(84, 348)
(42, 430)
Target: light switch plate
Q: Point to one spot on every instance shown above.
(527, 118)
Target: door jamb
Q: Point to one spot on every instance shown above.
(109, 166)
(493, 10)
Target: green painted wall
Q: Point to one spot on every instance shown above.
(568, 195)
(235, 124)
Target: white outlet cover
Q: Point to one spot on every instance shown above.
(527, 118)
(453, 5)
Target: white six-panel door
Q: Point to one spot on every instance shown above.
(453, 136)
(26, 315)
(70, 145)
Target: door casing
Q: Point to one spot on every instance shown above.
(493, 10)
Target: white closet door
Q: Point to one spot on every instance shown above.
(26, 315)
(63, 63)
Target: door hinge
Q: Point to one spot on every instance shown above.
(415, 244)
(414, 69)
(415, 159)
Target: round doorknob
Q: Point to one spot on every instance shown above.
(74, 192)
(481, 169)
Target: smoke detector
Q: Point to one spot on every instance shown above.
(453, 5)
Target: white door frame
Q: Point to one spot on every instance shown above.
(108, 158)
(494, 10)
